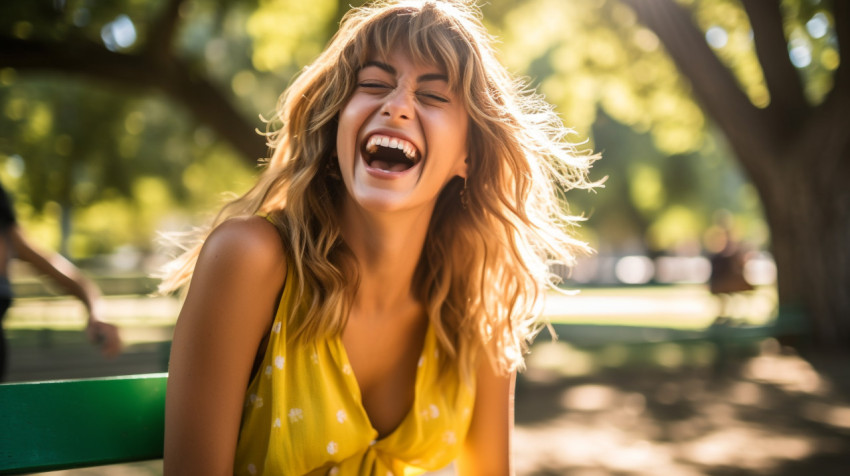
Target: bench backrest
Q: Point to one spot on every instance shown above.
(75, 423)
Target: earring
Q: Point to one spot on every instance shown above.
(464, 198)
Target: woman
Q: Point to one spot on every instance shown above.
(363, 309)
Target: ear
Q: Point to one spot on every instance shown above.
(461, 168)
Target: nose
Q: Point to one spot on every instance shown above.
(398, 105)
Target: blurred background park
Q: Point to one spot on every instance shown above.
(720, 123)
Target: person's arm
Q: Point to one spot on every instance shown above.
(487, 448)
(228, 309)
(68, 277)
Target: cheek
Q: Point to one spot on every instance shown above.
(458, 131)
(352, 118)
(344, 130)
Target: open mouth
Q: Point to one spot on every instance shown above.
(390, 154)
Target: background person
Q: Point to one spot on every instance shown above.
(727, 280)
(60, 271)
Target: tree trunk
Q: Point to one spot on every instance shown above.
(796, 154)
(807, 205)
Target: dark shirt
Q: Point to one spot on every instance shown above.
(7, 220)
(7, 213)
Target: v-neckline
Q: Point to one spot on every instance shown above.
(354, 385)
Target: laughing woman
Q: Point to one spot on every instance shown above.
(362, 310)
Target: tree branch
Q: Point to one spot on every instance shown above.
(787, 100)
(175, 78)
(161, 40)
(715, 87)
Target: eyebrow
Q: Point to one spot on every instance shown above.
(421, 79)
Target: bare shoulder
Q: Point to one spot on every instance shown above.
(242, 263)
(245, 245)
(229, 307)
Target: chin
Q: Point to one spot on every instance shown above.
(382, 201)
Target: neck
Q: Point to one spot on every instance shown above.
(387, 247)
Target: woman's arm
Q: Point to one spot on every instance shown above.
(228, 309)
(68, 277)
(487, 449)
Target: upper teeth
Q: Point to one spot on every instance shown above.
(392, 142)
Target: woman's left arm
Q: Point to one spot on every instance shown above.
(487, 449)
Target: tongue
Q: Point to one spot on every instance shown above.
(389, 166)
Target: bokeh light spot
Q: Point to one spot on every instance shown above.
(118, 34)
(22, 30)
(801, 55)
(716, 37)
(818, 25)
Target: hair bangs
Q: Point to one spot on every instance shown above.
(427, 35)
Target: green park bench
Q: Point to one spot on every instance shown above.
(63, 424)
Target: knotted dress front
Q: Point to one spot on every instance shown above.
(303, 411)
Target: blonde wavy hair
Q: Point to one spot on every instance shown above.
(492, 238)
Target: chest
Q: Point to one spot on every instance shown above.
(304, 410)
(384, 359)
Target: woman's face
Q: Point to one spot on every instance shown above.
(402, 135)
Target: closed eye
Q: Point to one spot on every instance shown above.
(434, 97)
(373, 85)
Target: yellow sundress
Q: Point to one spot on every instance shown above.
(303, 413)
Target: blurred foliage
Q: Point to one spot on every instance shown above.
(813, 44)
(669, 170)
(306, 31)
(121, 164)
(596, 54)
(728, 31)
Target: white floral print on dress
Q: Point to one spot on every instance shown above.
(296, 414)
(341, 416)
(279, 361)
(252, 469)
(256, 400)
(276, 328)
(276, 423)
(431, 412)
(332, 448)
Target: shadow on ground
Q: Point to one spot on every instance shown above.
(682, 409)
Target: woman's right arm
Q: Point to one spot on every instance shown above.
(228, 309)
